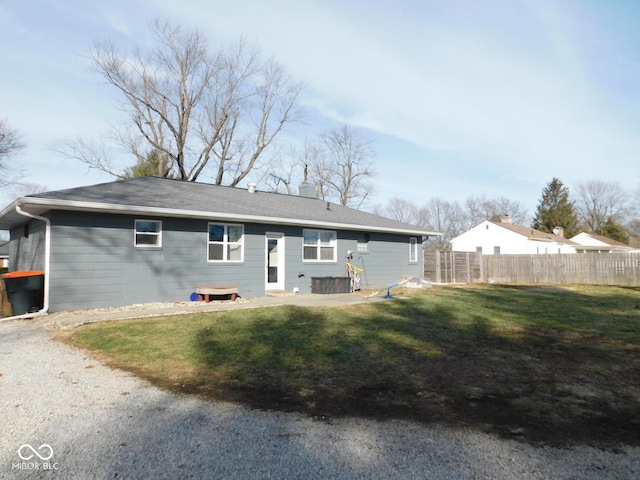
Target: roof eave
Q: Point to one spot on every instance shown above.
(42, 205)
(8, 216)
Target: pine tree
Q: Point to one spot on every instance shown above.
(613, 230)
(555, 210)
(155, 165)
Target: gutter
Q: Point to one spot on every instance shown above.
(47, 264)
(78, 205)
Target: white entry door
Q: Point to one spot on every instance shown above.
(274, 253)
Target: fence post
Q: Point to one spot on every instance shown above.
(453, 267)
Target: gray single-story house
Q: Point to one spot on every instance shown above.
(149, 239)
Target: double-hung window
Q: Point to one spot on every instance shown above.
(225, 243)
(148, 233)
(413, 249)
(319, 246)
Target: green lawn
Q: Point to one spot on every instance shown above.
(550, 364)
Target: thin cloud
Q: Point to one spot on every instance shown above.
(472, 97)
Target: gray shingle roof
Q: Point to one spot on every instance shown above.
(161, 196)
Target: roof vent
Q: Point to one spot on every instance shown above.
(251, 188)
(506, 219)
(559, 231)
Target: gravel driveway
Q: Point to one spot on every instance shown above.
(101, 423)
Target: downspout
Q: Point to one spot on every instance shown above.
(47, 263)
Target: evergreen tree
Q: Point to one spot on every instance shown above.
(613, 230)
(555, 210)
(155, 165)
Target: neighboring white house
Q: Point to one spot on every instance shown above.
(490, 238)
(592, 243)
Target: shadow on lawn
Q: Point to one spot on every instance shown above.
(552, 366)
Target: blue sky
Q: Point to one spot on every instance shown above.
(461, 97)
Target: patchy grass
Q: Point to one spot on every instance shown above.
(558, 365)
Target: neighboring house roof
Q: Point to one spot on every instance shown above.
(533, 234)
(175, 198)
(593, 241)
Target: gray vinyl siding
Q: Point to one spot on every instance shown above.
(27, 252)
(386, 261)
(94, 262)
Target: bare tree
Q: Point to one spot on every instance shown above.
(199, 110)
(18, 189)
(401, 210)
(11, 143)
(445, 217)
(450, 218)
(22, 189)
(342, 169)
(598, 201)
(503, 206)
(287, 170)
(94, 153)
(477, 209)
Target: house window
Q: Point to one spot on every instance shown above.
(363, 243)
(496, 250)
(413, 249)
(225, 243)
(319, 246)
(478, 249)
(148, 233)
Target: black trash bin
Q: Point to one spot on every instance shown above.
(25, 290)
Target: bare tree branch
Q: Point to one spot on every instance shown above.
(598, 201)
(11, 143)
(92, 153)
(343, 168)
(196, 107)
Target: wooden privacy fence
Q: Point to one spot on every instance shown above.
(453, 267)
(591, 268)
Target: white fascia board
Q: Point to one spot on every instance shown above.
(43, 204)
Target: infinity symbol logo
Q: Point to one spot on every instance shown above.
(29, 455)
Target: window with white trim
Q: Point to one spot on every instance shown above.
(225, 243)
(413, 249)
(319, 246)
(147, 233)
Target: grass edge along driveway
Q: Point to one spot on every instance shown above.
(559, 365)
